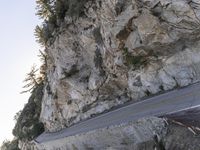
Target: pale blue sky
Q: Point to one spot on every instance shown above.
(18, 52)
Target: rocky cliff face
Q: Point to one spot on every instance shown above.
(119, 51)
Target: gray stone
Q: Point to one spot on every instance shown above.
(121, 50)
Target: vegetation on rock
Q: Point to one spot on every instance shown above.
(28, 125)
(53, 13)
(131, 60)
(10, 145)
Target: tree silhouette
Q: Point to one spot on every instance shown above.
(31, 80)
(10, 145)
(40, 36)
(17, 115)
(45, 8)
(43, 67)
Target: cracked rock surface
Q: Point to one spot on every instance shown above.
(121, 137)
(145, 134)
(119, 51)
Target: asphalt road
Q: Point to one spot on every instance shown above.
(168, 103)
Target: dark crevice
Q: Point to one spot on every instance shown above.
(124, 34)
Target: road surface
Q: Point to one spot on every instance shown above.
(168, 103)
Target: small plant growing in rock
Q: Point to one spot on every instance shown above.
(131, 60)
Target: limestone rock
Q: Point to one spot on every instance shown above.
(120, 137)
(119, 50)
(145, 134)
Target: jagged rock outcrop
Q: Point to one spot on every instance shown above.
(145, 134)
(120, 137)
(118, 51)
(180, 138)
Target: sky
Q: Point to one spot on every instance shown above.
(18, 52)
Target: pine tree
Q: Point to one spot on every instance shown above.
(31, 80)
(43, 67)
(40, 36)
(45, 8)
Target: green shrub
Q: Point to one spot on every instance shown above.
(28, 125)
(131, 60)
(45, 8)
(43, 34)
(53, 13)
(10, 145)
(76, 8)
(61, 7)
